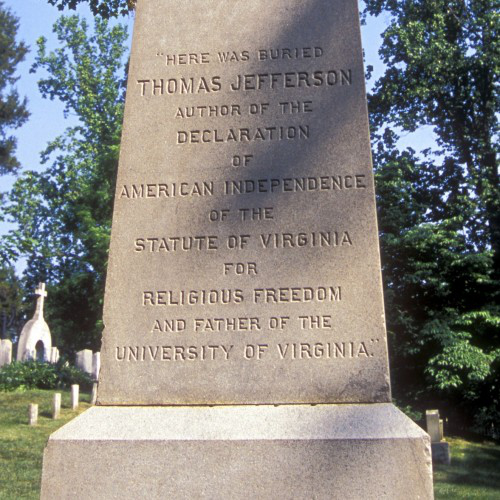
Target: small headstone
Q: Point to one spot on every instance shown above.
(5, 352)
(32, 414)
(93, 396)
(96, 365)
(56, 406)
(440, 448)
(432, 421)
(75, 394)
(84, 361)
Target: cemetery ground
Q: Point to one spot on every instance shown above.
(474, 471)
(21, 446)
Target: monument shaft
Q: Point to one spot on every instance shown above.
(244, 263)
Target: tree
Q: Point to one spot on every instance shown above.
(13, 110)
(443, 61)
(104, 8)
(11, 305)
(439, 208)
(63, 214)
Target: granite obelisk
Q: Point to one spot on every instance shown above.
(244, 320)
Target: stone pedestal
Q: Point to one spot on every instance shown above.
(300, 451)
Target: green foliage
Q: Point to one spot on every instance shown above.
(459, 361)
(409, 411)
(13, 112)
(443, 61)
(63, 214)
(35, 375)
(439, 208)
(11, 305)
(104, 8)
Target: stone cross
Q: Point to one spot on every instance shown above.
(41, 292)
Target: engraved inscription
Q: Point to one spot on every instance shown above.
(226, 352)
(167, 190)
(246, 135)
(173, 353)
(198, 189)
(229, 296)
(155, 87)
(244, 216)
(295, 184)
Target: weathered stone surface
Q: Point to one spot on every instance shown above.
(244, 263)
(294, 451)
(5, 352)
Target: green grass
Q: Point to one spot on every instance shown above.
(21, 446)
(474, 472)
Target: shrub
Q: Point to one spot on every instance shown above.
(36, 375)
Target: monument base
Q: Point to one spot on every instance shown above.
(239, 452)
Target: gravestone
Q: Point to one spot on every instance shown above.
(84, 361)
(32, 414)
(433, 427)
(244, 322)
(5, 352)
(56, 406)
(35, 341)
(75, 396)
(96, 365)
(439, 447)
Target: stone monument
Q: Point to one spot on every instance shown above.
(439, 447)
(244, 352)
(35, 341)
